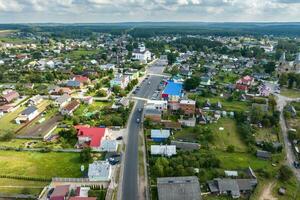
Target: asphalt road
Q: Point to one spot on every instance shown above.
(290, 156)
(130, 174)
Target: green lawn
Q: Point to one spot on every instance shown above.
(77, 54)
(8, 123)
(265, 134)
(226, 105)
(241, 161)
(44, 165)
(292, 93)
(14, 186)
(229, 136)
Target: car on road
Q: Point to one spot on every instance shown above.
(296, 164)
(119, 138)
(138, 120)
(140, 109)
(149, 83)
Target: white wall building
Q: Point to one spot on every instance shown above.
(142, 54)
(99, 171)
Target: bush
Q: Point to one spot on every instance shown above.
(285, 173)
(6, 136)
(230, 149)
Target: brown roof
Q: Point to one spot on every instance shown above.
(172, 125)
(11, 96)
(72, 105)
(61, 190)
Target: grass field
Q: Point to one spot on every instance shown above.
(265, 134)
(226, 105)
(44, 165)
(9, 120)
(14, 40)
(229, 136)
(241, 161)
(292, 93)
(14, 186)
(77, 54)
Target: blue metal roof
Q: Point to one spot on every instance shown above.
(173, 89)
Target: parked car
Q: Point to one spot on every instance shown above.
(137, 120)
(296, 164)
(119, 138)
(140, 109)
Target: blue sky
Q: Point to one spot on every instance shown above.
(70, 11)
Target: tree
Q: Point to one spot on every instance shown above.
(191, 83)
(230, 149)
(171, 58)
(85, 155)
(283, 79)
(269, 67)
(101, 93)
(285, 173)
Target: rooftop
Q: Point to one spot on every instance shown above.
(95, 134)
(178, 188)
(173, 88)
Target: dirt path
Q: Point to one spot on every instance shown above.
(267, 192)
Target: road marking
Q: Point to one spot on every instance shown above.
(161, 75)
(140, 98)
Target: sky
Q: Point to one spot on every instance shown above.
(97, 11)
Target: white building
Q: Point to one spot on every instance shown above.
(142, 54)
(160, 105)
(163, 150)
(35, 100)
(120, 80)
(27, 115)
(109, 146)
(100, 171)
(108, 67)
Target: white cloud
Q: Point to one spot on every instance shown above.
(148, 10)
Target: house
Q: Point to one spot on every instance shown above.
(63, 100)
(60, 192)
(264, 90)
(190, 122)
(163, 150)
(56, 90)
(107, 67)
(88, 100)
(244, 83)
(186, 146)
(82, 79)
(27, 115)
(233, 187)
(178, 188)
(263, 154)
(7, 108)
(141, 54)
(90, 136)
(109, 146)
(8, 96)
(74, 84)
(159, 135)
(35, 100)
(172, 91)
(100, 171)
(188, 106)
(172, 125)
(120, 80)
(205, 81)
(160, 105)
(70, 108)
(152, 114)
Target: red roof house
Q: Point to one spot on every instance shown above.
(82, 79)
(60, 192)
(90, 136)
(244, 83)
